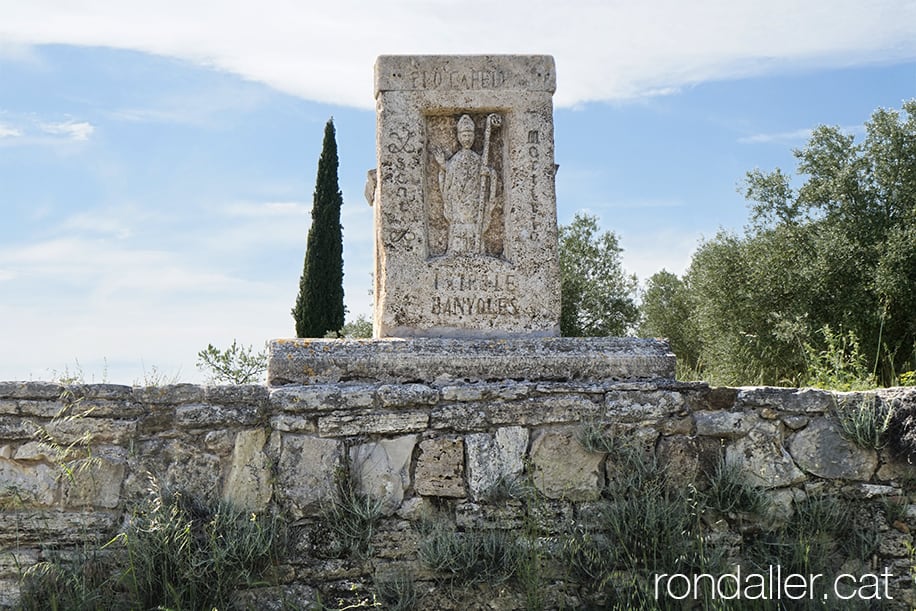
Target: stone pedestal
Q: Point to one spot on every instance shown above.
(323, 361)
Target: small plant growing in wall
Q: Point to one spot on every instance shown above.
(352, 515)
(864, 421)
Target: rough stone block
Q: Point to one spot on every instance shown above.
(306, 471)
(174, 394)
(316, 398)
(764, 457)
(383, 469)
(94, 482)
(563, 469)
(440, 468)
(27, 484)
(786, 399)
(535, 411)
(237, 394)
(496, 457)
(637, 406)
(248, 484)
(820, 449)
(727, 425)
(196, 416)
(407, 395)
(460, 417)
(342, 424)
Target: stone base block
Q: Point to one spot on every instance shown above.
(317, 361)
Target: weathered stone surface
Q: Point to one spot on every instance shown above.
(821, 450)
(305, 471)
(62, 527)
(383, 469)
(440, 468)
(201, 415)
(563, 469)
(322, 361)
(287, 423)
(870, 491)
(505, 391)
(93, 482)
(27, 484)
(636, 406)
(341, 424)
(686, 459)
(787, 399)
(94, 430)
(248, 484)
(545, 410)
(476, 516)
(192, 471)
(407, 395)
(465, 207)
(319, 397)
(237, 394)
(276, 598)
(170, 393)
(728, 425)
(460, 417)
(31, 390)
(491, 458)
(766, 460)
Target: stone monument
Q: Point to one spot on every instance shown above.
(465, 207)
(467, 278)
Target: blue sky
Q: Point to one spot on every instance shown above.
(157, 169)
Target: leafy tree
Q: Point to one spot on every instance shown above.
(838, 252)
(234, 365)
(665, 313)
(319, 306)
(598, 297)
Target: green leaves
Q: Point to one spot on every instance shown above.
(597, 295)
(234, 365)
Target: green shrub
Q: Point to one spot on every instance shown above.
(864, 420)
(730, 491)
(352, 516)
(176, 553)
(491, 556)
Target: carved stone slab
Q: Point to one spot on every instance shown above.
(464, 197)
(328, 361)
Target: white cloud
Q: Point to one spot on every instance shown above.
(74, 130)
(9, 132)
(797, 135)
(604, 50)
(267, 209)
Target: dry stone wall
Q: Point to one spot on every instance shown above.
(423, 450)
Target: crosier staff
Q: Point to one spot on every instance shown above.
(493, 120)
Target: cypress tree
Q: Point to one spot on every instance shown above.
(320, 307)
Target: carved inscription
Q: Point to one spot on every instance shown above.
(491, 294)
(445, 79)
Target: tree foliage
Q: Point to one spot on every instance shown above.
(598, 297)
(834, 257)
(234, 365)
(319, 306)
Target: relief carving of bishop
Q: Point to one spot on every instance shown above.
(468, 183)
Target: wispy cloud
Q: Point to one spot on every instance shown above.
(797, 135)
(73, 130)
(616, 50)
(9, 132)
(266, 209)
